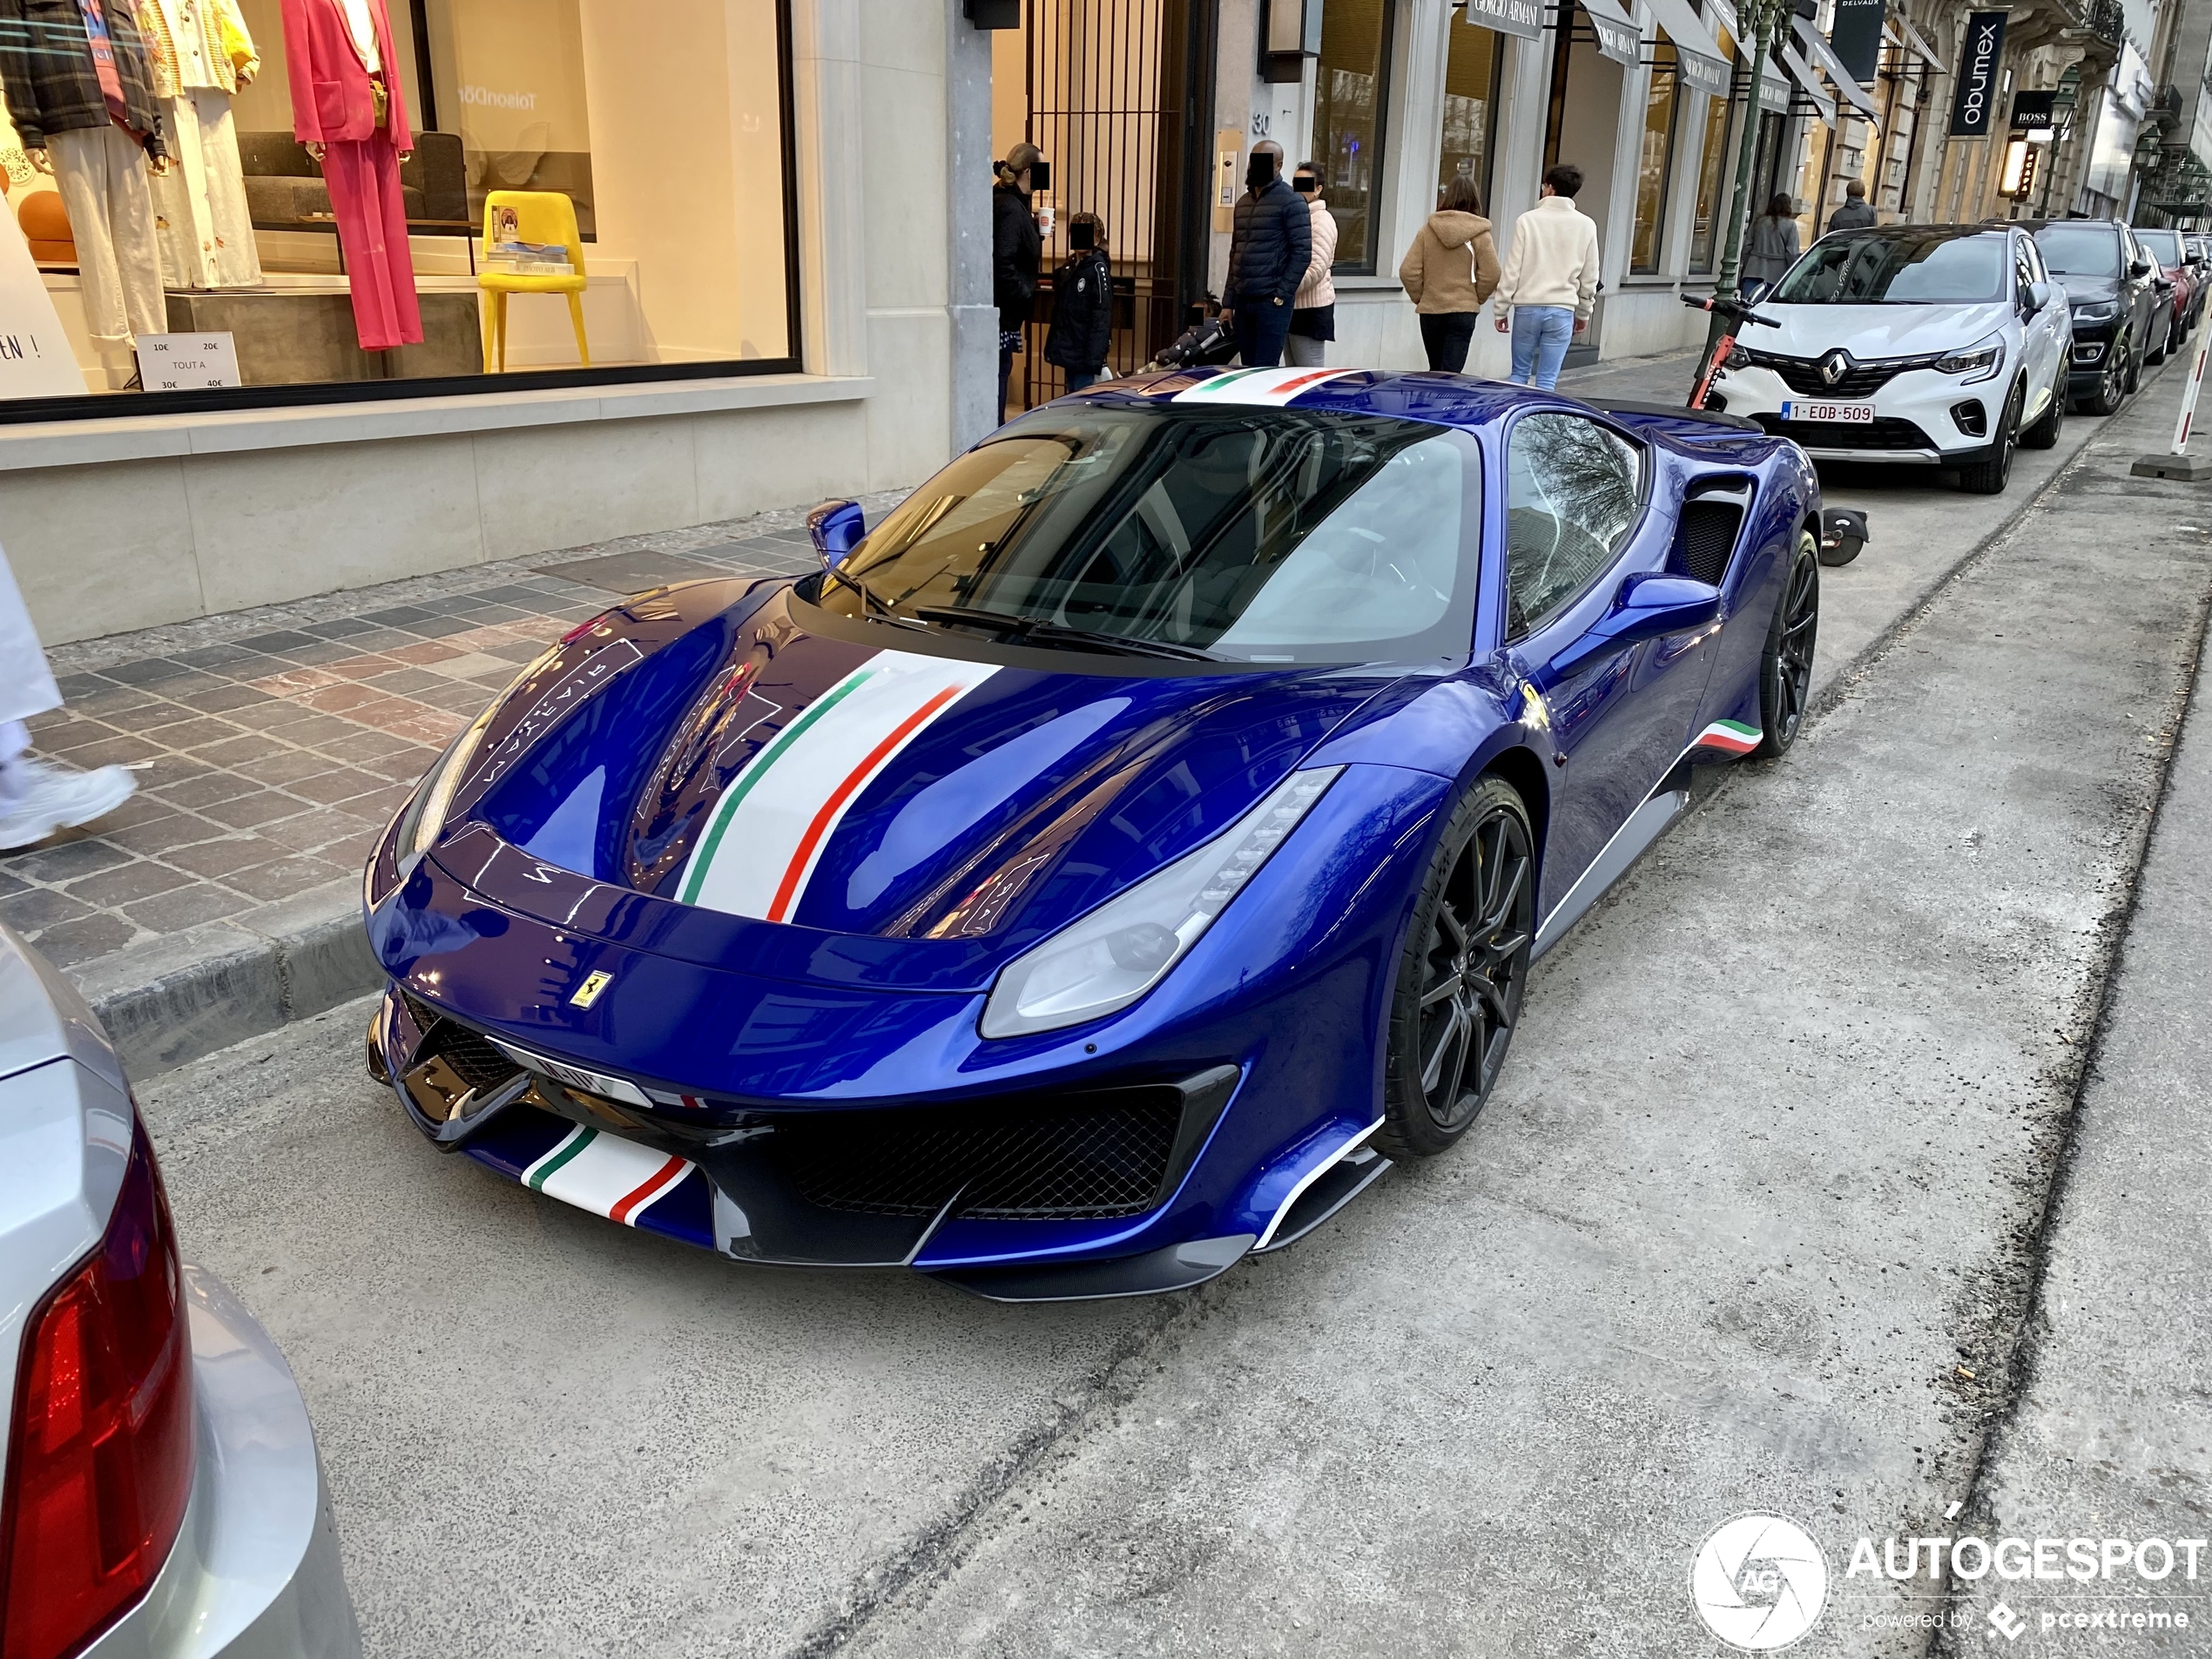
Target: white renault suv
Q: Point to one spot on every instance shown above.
(1927, 345)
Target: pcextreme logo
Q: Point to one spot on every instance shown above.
(1759, 1582)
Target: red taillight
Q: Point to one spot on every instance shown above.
(100, 1458)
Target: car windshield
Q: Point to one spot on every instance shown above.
(2165, 247)
(1912, 269)
(1238, 533)
(2080, 250)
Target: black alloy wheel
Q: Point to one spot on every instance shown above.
(2044, 434)
(1786, 665)
(2112, 390)
(1989, 475)
(1461, 975)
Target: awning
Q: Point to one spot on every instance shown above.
(1618, 38)
(1522, 17)
(1774, 90)
(1919, 43)
(1704, 64)
(1824, 55)
(1809, 83)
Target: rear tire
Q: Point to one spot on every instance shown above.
(1461, 975)
(2044, 434)
(2164, 330)
(1785, 664)
(1989, 475)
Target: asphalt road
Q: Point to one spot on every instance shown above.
(1765, 1180)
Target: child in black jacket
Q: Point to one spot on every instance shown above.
(1082, 305)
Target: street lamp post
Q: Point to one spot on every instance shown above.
(1764, 19)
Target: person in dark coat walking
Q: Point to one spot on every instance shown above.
(1082, 305)
(1269, 249)
(1017, 251)
(1854, 214)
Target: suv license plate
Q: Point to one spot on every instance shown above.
(1851, 414)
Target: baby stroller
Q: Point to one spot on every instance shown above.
(1204, 344)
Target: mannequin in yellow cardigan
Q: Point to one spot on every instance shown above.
(202, 54)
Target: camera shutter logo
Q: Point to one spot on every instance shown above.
(1759, 1582)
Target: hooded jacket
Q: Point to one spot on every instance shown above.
(1320, 288)
(1270, 247)
(1453, 264)
(46, 69)
(1083, 313)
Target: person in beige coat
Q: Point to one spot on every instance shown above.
(1550, 280)
(1314, 316)
(1449, 272)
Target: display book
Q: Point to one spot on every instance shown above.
(528, 258)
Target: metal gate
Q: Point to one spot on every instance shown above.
(1119, 98)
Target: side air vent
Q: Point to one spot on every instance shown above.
(1705, 534)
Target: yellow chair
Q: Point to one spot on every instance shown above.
(547, 217)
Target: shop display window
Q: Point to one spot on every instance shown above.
(1712, 166)
(278, 200)
(1656, 160)
(1474, 65)
(1350, 92)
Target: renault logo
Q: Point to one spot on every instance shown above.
(1834, 366)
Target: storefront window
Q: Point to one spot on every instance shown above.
(1473, 61)
(323, 198)
(1657, 158)
(1712, 170)
(1351, 91)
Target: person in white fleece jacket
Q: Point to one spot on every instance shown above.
(1550, 279)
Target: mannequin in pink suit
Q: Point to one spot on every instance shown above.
(348, 109)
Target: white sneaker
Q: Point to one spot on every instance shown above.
(46, 799)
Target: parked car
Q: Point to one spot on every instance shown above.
(1941, 345)
(161, 1495)
(2115, 311)
(2169, 251)
(1108, 866)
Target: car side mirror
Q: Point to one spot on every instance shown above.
(1650, 605)
(2038, 295)
(837, 527)
(1754, 289)
(2139, 268)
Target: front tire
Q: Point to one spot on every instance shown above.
(1785, 664)
(2112, 390)
(1989, 475)
(1461, 975)
(2044, 434)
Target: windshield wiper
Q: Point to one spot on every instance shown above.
(1037, 629)
(870, 598)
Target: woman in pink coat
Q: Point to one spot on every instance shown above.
(348, 109)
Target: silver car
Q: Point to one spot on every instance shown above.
(160, 1494)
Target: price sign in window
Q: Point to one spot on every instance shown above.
(187, 362)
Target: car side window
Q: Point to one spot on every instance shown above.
(2023, 268)
(1573, 488)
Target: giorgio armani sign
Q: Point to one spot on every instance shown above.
(1974, 105)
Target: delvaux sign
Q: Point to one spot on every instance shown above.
(1857, 36)
(1973, 106)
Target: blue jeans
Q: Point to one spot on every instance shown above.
(1540, 335)
(1082, 379)
(1261, 329)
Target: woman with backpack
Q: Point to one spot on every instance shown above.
(1017, 251)
(1082, 305)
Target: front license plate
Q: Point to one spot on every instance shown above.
(1850, 413)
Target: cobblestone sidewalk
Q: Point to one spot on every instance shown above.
(270, 745)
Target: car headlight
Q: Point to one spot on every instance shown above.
(1111, 957)
(1979, 361)
(2096, 310)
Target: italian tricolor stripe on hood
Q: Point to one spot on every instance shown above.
(1271, 388)
(768, 831)
(606, 1175)
(1732, 737)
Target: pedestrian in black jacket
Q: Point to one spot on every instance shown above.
(1270, 248)
(1017, 251)
(1082, 305)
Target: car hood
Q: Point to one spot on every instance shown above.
(788, 766)
(2084, 290)
(1869, 332)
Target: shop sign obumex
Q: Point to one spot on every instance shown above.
(1974, 106)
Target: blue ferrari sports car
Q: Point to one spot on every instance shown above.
(1108, 864)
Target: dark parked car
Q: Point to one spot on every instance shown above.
(2171, 250)
(2117, 310)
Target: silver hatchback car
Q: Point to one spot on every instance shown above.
(161, 1497)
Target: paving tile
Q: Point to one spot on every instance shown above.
(223, 699)
(246, 811)
(191, 733)
(37, 908)
(202, 792)
(471, 664)
(433, 727)
(319, 731)
(342, 784)
(87, 936)
(399, 615)
(118, 751)
(271, 716)
(249, 746)
(438, 627)
(295, 682)
(283, 768)
(159, 836)
(366, 667)
(164, 770)
(66, 735)
(342, 699)
(9, 884)
(311, 831)
(322, 651)
(520, 651)
(404, 682)
(381, 639)
(75, 688)
(282, 642)
(186, 907)
(146, 670)
(209, 657)
(338, 628)
(215, 860)
(284, 877)
(140, 878)
(463, 697)
(66, 861)
(141, 808)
